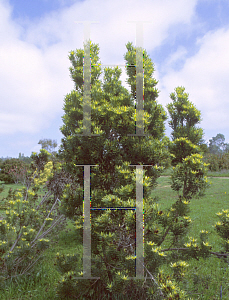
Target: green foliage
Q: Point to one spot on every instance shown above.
(1, 186)
(189, 171)
(204, 148)
(28, 222)
(8, 165)
(167, 248)
(26, 159)
(189, 177)
(48, 144)
(186, 137)
(184, 117)
(113, 182)
(217, 162)
(76, 71)
(222, 227)
(217, 144)
(202, 278)
(181, 148)
(157, 114)
(40, 160)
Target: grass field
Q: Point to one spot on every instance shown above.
(207, 276)
(222, 173)
(204, 278)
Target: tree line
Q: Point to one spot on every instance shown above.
(216, 154)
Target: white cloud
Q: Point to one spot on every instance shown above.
(175, 58)
(34, 64)
(205, 77)
(8, 29)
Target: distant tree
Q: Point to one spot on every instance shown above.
(204, 148)
(1, 182)
(7, 166)
(4, 158)
(48, 144)
(226, 149)
(217, 144)
(25, 159)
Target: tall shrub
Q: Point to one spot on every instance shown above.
(113, 185)
(189, 171)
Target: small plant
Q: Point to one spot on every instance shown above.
(24, 229)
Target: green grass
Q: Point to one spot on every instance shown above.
(203, 279)
(7, 187)
(168, 172)
(202, 211)
(206, 276)
(221, 173)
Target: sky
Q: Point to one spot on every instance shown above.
(188, 42)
